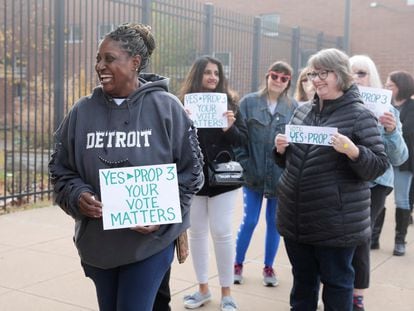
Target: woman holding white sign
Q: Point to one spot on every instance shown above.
(213, 206)
(129, 121)
(323, 193)
(365, 73)
(265, 113)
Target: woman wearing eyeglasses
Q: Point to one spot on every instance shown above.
(265, 113)
(323, 192)
(365, 73)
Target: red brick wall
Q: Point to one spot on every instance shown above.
(385, 33)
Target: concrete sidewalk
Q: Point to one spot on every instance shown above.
(40, 269)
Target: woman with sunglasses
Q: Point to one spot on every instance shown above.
(365, 73)
(266, 113)
(323, 192)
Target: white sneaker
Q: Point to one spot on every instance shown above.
(238, 274)
(228, 304)
(269, 277)
(196, 300)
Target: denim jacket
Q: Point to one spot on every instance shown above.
(395, 148)
(260, 171)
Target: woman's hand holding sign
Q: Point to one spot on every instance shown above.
(145, 229)
(89, 205)
(230, 119)
(387, 120)
(343, 144)
(281, 143)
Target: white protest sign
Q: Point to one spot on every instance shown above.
(206, 109)
(375, 99)
(139, 196)
(314, 135)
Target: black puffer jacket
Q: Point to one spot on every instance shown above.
(324, 197)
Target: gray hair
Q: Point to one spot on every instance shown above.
(335, 60)
(135, 39)
(364, 62)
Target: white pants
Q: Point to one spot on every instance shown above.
(215, 213)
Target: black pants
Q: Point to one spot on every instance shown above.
(312, 265)
(361, 262)
(163, 298)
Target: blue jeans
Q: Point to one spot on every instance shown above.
(163, 298)
(312, 265)
(131, 287)
(252, 207)
(402, 184)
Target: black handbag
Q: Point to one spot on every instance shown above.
(229, 173)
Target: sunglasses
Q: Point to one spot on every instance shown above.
(279, 76)
(361, 74)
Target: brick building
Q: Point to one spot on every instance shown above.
(382, 29)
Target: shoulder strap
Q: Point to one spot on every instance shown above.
(223, 153)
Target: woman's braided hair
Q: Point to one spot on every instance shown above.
(135, 39)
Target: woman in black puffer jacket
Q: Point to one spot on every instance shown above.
(324, 196)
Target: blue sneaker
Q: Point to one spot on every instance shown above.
(196, 300)
(228, 304)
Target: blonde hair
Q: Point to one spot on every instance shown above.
(300, 93)
(364, 62)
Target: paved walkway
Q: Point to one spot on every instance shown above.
(40, 270)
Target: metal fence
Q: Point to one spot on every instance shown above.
(47, 56)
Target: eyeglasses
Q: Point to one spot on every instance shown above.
(360, 74)
(275, 76)
(323, 74)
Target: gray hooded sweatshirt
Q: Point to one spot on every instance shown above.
(150, 127)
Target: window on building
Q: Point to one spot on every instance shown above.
(104, 29)
(20, 67)
(410, 2)
(73, 34)
(225, 59)
(270, 24)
